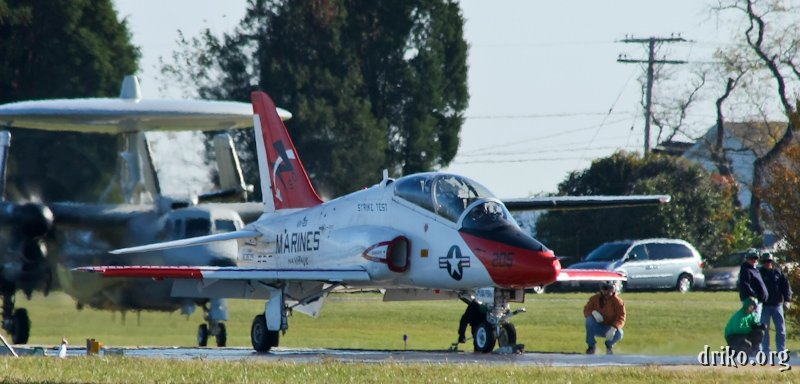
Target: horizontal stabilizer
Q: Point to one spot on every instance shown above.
(584, 202)
(241, 234)
(230, 273)
(589, 275)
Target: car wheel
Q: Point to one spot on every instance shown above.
(684, 283)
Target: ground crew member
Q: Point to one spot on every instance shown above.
(605, 316)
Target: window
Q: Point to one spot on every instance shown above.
(197, 227)
(446, 195)
(222, 225)
(608, 252)
(638, 253)
(664, 251)
(416, 190)
(488, 216)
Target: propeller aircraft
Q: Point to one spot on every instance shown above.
(43, 241)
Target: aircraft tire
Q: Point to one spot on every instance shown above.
(22, 326)
(259, 334)
(202, 335)
(222, 335)
(508, 335)
(484, 339)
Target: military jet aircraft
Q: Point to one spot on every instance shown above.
(422, 236)
(81, 234)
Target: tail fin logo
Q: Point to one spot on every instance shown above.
(279, 163)
(282, 164)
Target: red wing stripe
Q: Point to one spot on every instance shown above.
(589, 275)
(148, 272)
(228, 273)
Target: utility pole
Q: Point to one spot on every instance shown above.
(652, 43)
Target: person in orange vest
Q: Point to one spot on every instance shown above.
(605, 317)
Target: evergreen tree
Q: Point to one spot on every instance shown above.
(62, 49)
(377, 84)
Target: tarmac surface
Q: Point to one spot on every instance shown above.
(373, 356)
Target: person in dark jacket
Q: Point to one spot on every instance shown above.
(750, 282)
(474, 315)
(743, 331)
(779, 295)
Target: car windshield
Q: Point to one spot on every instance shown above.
(608, 252)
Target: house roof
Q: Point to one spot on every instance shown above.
(759, 137)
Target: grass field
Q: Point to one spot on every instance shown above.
(129, 370)
(658, 323)
(663, 323)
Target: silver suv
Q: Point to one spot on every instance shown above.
(650, 263)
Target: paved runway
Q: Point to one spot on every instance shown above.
(371, 356)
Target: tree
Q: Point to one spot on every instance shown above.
(781, 192)
(62, 49)
(771, 40)
(372, 85)
(700, 211)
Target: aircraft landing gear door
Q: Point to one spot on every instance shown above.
(265, 332)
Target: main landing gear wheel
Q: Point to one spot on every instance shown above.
(507, 336)
(222, 335)
(484, 339)
(262, 338)
(202, 335)
(21, 326)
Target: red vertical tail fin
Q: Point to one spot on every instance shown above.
(280, 168)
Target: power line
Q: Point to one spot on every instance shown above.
(562, 133)
(652, 43)
(542, 115)
(573, 145)
(559, 149)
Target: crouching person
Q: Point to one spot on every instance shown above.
(744, 332)
(605, 317)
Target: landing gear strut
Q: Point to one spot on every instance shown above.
(214, 312)
(15, 322)
(497, 329)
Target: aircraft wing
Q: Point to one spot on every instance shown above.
(109, 115)
(87, 214)
(589, 275)
(240, 234)
(583, 202)
(332, 275)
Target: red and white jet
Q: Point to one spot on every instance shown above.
(422, 236)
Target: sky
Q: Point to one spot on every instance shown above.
(547, 94)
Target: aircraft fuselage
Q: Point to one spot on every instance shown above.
(365, 229)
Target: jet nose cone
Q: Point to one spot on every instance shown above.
(514, 264)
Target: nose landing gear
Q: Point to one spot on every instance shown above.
(497, 329)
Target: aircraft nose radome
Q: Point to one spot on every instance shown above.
(511, 266)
